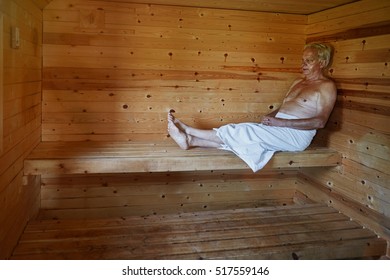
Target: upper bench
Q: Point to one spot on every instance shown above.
(127, 157)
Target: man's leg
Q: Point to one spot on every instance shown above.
(186, 136)
(204, 134)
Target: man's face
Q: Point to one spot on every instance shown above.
(310, 62)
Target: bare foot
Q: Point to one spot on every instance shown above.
(177, 135)
(182, 126)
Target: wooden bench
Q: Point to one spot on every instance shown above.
(285, 231)
(128, 157)
(312, 231)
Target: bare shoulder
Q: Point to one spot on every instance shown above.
(327, 96)
(328, 83)
(297, 81)
(328, 87)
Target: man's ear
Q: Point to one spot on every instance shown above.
(322, 63)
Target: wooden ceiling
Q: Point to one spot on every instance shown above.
(303, 7)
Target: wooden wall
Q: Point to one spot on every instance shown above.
(105, 195)
(359, 125)
(19, 196)
(112, 71)
(1, 84)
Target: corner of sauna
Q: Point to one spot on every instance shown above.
(357, 127)
(20, 116)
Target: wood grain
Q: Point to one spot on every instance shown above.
(226, 234)
(113, 157)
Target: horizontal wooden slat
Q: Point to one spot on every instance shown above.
(288, 232)
(349, 16)
(161, 209)
(284, 8)
(117, 157)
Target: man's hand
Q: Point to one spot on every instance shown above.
(271, 121)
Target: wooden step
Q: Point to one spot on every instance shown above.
(126, 157)
(310, 231)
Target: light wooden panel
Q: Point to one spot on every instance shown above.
(52, 158)
(276, 6)
(113, 70)
(367, 217)
(358, 127)
(348, 17)
(21, 117)
(1, 84)
(300, 7)
(98, 196)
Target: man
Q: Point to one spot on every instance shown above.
(306, 108)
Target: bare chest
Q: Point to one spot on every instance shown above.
(301, 101)
(303, 94)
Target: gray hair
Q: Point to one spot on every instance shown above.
(324, 51)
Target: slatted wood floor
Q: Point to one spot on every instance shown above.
(311, 231)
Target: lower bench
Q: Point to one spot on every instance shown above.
(126, 157)
(312, 231)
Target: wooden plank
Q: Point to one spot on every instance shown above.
(208, 84)
(190, 10)
(77, 189)
(116, 195)
(362, 173)
(102, 186)
(152, 107)
(268, 55)
(343, 10)
(266, 40)
(176, 233)
(356, 44)
(348, 17)
(156, 199)
(345, 249)
(317, 212)
(53, 158)
(106, 137)
(161, 209)
(1, 85)
(287, 8)
(265, 92)
(169, 60)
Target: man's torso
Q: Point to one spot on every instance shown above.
(301, 100)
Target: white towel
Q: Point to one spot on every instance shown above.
(256, 143)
